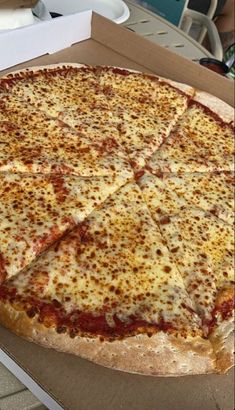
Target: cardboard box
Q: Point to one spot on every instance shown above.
(7, 4)
(60, 379)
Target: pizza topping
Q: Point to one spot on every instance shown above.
(36, 210)
(223, 310)
(170, 193)
(40, 144)
(188, 148)
(204, 246)
(59, 186)
(114, 265)
(3, 272)
(146, 108)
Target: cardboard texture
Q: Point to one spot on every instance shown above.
(76, 383)
(8, 4)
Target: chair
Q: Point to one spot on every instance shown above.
(193, 23)
(204, 26)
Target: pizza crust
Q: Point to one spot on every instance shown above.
(222, 109)
(159, 355)
(187, 89)
(225, 111)
(222, 340)
(42, 67)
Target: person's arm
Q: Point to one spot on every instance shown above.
(226, 25)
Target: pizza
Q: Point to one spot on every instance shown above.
(117, 217)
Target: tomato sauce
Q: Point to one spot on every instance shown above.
(2, 269)
(52, 314)
(211, 113)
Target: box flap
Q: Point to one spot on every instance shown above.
(26, 43)
(7, 4)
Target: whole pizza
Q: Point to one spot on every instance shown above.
(116, 218)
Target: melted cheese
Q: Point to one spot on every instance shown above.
(143, 108)
(92, 122)
(53, 90)
(148, 110)
(118, 263)
(35, 210)
(198, 144)
(202, 246)
(33, 142)
(212, 192)
(161, 199)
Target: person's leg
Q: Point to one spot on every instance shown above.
(225, 20)
(226, 25)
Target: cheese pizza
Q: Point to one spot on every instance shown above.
(116, 218)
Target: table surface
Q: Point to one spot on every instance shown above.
(160, 31)
(13, 394)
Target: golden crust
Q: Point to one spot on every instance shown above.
(41, 67)
(222, 340)
(222, 109)
(159, 355)
(187, 89)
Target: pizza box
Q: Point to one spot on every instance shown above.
(61, 380)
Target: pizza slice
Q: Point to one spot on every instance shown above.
(92, 122)
(147, 108)
(201, 142)
(142, 86)
(169, 193)
(55, 88)
(36, 210)
(31, 141)
(202, 246)
(110, 292)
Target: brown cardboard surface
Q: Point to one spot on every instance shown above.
(76, 383)
(8, 4)
(80, 385)
(88, 51)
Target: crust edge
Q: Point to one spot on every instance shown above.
(222, 340)
(221, 108)
(159, 355)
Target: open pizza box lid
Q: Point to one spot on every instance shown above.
(61, 380)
